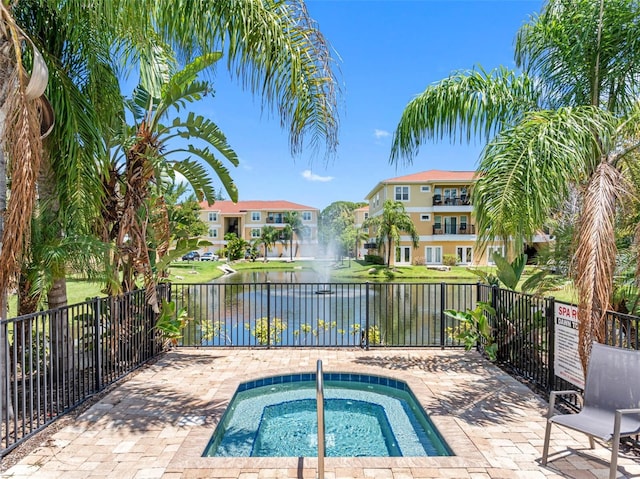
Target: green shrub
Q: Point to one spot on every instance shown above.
(373, 259)
(449, 260)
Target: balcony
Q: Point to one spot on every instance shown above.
(463, 229)
(463, 200)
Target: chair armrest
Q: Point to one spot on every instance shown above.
(628, 411)
(617, 421)
(552, 399)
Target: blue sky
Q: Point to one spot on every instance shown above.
(388, 51)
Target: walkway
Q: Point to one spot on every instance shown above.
(157, 423)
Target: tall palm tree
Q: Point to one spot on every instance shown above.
(268, 237)
(388, 226)
(569, 120)
(295, 229)
(273, 48)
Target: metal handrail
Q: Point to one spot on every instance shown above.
(320, 408)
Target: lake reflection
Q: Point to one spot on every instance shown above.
(300, 308)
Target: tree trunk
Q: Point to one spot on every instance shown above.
(61, 339)
(389, 253)
(6, 408)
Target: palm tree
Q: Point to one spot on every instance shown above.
(273, 48)
(147, 159)
(569, 120)
(268, 237)
(294, 230)
(388, 226)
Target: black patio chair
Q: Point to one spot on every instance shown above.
(611, 406)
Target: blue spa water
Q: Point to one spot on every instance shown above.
(364, 416)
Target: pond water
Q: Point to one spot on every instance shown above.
(300, 308)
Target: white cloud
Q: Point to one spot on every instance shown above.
(308, 175)
(381, 133)
(244, 165)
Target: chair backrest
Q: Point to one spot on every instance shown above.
(613, 378)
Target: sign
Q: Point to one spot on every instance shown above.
(567, 359)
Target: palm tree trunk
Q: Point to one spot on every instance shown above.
(388, 253)
(6, 408)
(61, 341)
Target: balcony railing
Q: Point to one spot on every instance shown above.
(463, 200)
(464, 229)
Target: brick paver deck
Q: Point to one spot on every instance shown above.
(157, 424)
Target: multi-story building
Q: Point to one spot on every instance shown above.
(360, 216)
(247, 218)
(440, 208)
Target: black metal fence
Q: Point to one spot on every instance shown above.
(54, 360)
(322, 314)
(526, 332)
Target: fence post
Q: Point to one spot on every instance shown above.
(366, 318)
(268, 314)
(443, 306)
(493, 298)
(478, 293)
(97, 344)
(551, 341)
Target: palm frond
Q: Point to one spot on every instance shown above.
(198, 178)
(276, 51)
(584, 58)
(596, 254)
(528, 169)
(221, 171)
(463, 106)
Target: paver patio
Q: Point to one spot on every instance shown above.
(157, 423)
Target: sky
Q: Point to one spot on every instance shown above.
(388, 51)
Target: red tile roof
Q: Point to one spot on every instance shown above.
(229, 207)
(433, 175)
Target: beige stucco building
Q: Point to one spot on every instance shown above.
(247, 218)
(440, 207)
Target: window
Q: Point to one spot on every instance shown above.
(437, 221)
(306, 216)
(425, 188)
(255, 232)
(402, 193)
(275, 218)
(213, 232)
(403, 255)
(255, 216)
(464, 254)
(425, 217)
(433, 254)
(366, 215)
(450, 196)
(213, 217)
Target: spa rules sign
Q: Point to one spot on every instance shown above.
(567, 360)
